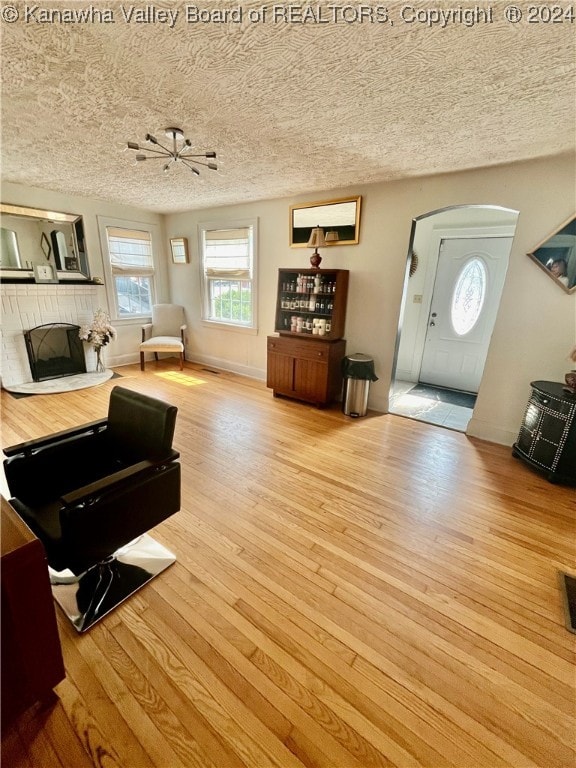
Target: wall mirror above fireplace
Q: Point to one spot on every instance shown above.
(31, 237)
(556, 255)
(340, 220)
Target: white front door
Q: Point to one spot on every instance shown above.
(469, 281)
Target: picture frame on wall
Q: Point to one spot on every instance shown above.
(179, 250)
(45, 273)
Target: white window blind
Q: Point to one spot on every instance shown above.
(227, 253)
(130, 251)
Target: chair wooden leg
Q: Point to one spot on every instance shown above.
(156, 356)
(142, 361)
(181, 361)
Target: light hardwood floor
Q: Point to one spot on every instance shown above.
(348, 593)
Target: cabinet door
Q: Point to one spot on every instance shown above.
(280, 372)
(547, 444)
(311, 380)
(529, 429)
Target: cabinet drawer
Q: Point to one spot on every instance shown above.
(304, 350)
(542, 400)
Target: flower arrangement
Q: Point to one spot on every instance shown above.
(99, 333)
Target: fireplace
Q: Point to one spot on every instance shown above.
(55, 350)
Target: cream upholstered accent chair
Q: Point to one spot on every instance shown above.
(165, 333)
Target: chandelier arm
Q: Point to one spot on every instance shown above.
(158, 157)
(166, 150)
(190, 167)
(206, 165)
(156, 151)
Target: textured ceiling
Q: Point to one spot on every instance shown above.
(291, 105)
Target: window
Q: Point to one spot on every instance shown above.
(468, 297)
(131, 270)
(228, 273)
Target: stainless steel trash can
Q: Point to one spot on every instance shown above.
(358, 372)
(356, 397)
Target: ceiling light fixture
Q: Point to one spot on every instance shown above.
(180, 152)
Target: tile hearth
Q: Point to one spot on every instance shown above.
(62, 384)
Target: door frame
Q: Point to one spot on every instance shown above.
(438, 236)
(439, 233)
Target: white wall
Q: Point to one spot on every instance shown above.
(536, 325)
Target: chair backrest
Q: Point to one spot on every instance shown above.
(139, 427)
(167, 319)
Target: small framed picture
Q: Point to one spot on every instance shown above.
(45, 273)
(179, 249)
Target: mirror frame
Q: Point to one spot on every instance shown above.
(326, 204)
(75, 220)
(542, 264)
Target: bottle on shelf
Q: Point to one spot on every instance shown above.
(304, 298)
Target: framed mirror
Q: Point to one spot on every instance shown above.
(340, 220)
(179, 250)
(32, 237)
(556, 255)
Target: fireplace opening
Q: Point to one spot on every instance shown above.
(55, 350)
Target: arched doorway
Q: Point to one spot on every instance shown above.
(456, 266)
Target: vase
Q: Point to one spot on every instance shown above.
(570, 380)
(100, 367)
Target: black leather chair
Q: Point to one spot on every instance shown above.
(91, 493)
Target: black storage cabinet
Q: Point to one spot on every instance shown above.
(547, 437)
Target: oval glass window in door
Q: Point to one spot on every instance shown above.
(468, 296)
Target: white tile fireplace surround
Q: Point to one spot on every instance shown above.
(28, 305)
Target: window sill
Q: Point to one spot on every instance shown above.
(141, 320)
(220, 326)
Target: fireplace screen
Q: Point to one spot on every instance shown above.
(55, 350)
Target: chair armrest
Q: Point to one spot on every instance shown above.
(31, 445)
(110, 481)
(183, 327)
(145, 328)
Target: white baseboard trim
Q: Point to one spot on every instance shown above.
(215, 362)
(227, 365)
(485, 430)
(378, 404)
(119, 360)
(405, 375)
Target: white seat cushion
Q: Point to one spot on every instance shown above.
(162, 344)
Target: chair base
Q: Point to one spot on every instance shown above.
(87, 598)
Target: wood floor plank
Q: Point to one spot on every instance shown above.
(347, 593)
(248, 736)
(266, 698)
